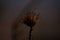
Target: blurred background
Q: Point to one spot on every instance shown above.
(47, 29)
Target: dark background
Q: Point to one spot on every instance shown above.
(49, 10)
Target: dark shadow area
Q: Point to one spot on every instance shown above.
(47, 29)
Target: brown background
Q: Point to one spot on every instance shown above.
(49, 27)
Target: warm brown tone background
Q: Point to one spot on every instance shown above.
(49, 27)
